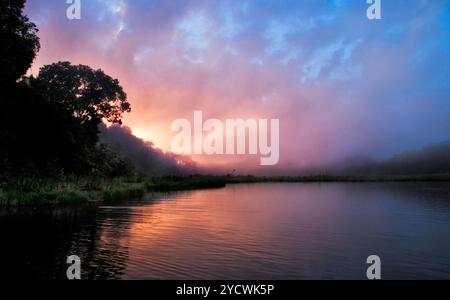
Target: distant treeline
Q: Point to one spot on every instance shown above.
(145, 158)
(431, 160)
(49, 124)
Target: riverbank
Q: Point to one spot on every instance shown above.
(72, 190)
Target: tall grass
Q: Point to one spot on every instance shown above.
(68, 190)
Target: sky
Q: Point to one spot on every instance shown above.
(340, 84)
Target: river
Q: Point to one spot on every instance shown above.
(248, 231)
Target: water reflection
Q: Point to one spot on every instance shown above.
(262, 231)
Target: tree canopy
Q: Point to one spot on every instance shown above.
(18, 41)
(90, 95)
(49, 124)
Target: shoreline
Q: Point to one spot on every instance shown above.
(81, 190)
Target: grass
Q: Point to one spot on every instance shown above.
(68, 191)
(71, 190)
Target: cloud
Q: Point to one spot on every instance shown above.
(339, 83)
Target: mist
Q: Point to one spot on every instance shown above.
(143, 155)
(342, 86)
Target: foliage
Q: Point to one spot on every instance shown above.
(49, 124)
(18, 41)
(89, 95)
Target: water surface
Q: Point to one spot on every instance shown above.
(258, 231)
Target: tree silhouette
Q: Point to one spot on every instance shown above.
(90, 95)
(18, 41)
(49, 124)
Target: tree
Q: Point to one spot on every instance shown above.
(18, 47)
(18, 41)
(37, 138)
(89, 95)
(49, 124)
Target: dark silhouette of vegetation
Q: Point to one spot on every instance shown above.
(18, 40)
(49, 124)
(144, 156)
(89, 95)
